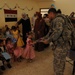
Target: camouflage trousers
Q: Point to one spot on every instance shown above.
(59, 60)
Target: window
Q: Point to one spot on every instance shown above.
(44, 11)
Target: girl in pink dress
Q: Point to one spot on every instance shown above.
(13, 49)
(29, 52)
(9, 45)
(18, 51)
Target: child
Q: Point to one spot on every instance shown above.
(16, 35)
(13, 49)
(8, 33)
(9, 45)
(2, 58)
(1, 72)
(29, 53)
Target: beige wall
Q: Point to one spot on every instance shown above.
(22, 4)
(67, 6)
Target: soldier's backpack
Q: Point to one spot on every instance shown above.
(68, 33)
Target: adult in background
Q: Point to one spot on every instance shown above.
(72, 14)
(72, 17)
(26, 26)
(47, 26)
(34, 17)
(47, 23)
(39, 31)
(61, 46)
(59, 11)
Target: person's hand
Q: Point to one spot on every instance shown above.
(16, 24)
(42, 38)
(38, 32)
(45, 41)
(34, 42)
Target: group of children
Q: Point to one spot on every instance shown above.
(2, 57)
(13, 46)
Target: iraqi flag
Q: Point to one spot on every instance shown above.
(10, 15)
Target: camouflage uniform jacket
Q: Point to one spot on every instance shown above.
(55, 32)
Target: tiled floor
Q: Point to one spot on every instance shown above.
(43, 65)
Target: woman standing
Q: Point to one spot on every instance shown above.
(26, 26)
(39, 31)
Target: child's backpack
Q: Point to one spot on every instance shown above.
(68, 33)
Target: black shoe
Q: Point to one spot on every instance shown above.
(23, 46)
(19, 59)
(2, 68)
(1, 72)
(9, 66)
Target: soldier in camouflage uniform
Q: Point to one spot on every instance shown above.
(61, 47)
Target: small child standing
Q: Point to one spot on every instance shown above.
(29, 52)
(13, 49)
(16, 35)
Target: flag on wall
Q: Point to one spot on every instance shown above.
(10, 15)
